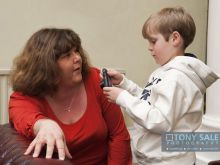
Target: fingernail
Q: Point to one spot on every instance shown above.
(61, 158)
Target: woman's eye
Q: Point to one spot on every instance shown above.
(74, 51)
(65, 55)
(77, 50)
(69, 53)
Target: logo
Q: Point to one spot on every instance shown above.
(190, 141)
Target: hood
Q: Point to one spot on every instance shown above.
(195, 69)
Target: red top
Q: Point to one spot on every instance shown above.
(98, 137)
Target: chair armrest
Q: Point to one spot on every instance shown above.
(13, 146)
(215, 162)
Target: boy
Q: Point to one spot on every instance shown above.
(172, 100)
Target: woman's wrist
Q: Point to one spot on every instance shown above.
(41, 122)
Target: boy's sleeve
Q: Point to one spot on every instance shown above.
(24, 111)
(130, 86)
(167, 105)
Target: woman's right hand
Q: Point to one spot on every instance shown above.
(48, 132)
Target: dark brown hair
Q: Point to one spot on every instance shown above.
(35, 70)
(168, 20)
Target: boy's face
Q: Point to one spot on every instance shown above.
(161, 50)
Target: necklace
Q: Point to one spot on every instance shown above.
(68, 107)
(74, 99)
(64, 104)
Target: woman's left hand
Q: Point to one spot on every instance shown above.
(48, 133)
(112, 93)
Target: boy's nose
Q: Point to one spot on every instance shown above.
(150, 48)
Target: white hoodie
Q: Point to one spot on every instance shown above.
(172, 100)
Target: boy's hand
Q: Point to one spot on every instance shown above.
(112, 93)
(116, 77)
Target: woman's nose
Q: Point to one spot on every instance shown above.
(76, 57)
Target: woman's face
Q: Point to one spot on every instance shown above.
(70, 66)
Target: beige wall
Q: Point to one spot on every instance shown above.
(110, 29)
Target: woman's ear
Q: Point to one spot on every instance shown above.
(176, 39)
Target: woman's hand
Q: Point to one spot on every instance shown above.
(112, 93)
(48, 132)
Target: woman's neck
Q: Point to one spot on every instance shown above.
(66, 92)
(69, 103)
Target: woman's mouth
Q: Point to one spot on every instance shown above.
(77, 70)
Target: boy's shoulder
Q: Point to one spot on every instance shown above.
(173, 74)
(190, 70)
(179, 69)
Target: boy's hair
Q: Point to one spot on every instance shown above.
(168, 20)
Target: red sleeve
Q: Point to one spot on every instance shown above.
(24, 111)
(119, 138)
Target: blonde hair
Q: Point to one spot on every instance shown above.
(168, 20)
(35, 70)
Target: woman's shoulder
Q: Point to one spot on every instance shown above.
(17, 94)
(92, 82)
(94, 74)
(94, 70)
(93, 77)
(19, 97)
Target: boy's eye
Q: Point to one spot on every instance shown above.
(153, 41)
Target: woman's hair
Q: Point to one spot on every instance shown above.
(35, 71)
(168, 20)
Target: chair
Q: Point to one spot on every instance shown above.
(13, 145)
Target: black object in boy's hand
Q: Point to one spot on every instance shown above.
(106, 82)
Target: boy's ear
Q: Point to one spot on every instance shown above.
(176, 39)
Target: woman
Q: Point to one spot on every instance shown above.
(57, 102)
